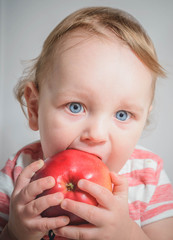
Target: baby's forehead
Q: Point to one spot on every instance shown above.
(79, 37)
(80, 46)
(82, 52)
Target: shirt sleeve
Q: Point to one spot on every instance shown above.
(6, 188)
(161, 203)
(10, 173)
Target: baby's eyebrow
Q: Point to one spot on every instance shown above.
(70, 96)
(132, 107)
(70, 93)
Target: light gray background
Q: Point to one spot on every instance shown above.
(24, 25)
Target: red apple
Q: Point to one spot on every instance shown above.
(67, 168)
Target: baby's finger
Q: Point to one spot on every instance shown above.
(35, 188)
(102, 194)
(25, 177)
(36, 207)
(120, 185)
(78, 232)
(92, 214)
(45, 224)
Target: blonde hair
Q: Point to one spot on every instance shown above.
(94, 20)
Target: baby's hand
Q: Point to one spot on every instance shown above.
(109, 220)
(25, 221)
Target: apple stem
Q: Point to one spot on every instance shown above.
(70, 186)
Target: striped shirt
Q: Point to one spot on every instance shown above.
(150, 191)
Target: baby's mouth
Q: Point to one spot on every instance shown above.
(98, 157)
(92, 153)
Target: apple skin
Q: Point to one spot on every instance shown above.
(67, 168)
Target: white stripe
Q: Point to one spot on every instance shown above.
(163, 178)
(142, 148)
(161, 216)
(24, 160)
(6, 184)
(141, 193)
(138, 222)
(138, 164)
(150, 207)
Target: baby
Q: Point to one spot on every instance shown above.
(90, 89)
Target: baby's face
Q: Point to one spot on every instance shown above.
(97, 99)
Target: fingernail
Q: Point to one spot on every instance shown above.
(66, 220)
(80, 183)
(64, 204)
(59, 196)
(50, 180)
(40, 163)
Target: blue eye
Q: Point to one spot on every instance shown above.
(75, 107)
(122, 115)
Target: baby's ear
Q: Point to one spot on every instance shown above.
(31, 96)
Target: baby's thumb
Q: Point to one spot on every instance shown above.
(120, 185)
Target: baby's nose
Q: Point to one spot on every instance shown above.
(96, 131)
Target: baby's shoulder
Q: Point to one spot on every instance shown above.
(26, 155)
(143, 166)
(145, 158)
(33, 149)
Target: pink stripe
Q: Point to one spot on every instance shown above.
(146, 175)
(34, 150)
(136, 209)
(156, 211)
(10, 164)
(143, 154)
(143, 176)
(17, 171)
(163, 193)
(4, 203)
